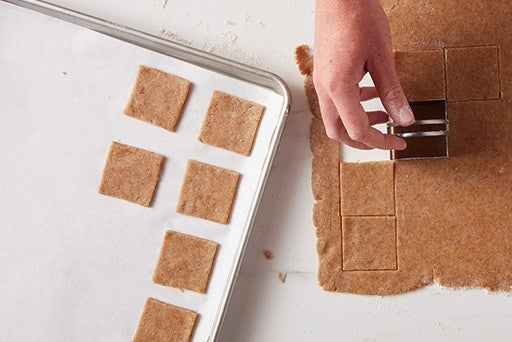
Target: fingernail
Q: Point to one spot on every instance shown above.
(406, 115)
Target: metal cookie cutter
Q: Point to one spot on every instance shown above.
(427, 137)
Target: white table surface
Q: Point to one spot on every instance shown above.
(264, 34)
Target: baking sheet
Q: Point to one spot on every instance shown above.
(76, 265)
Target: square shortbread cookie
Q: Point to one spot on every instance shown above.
(131, 174)
(185, 262)
(164, 322)
(207, 192)
(367, 189)
(158, 97)
(369, 243)
(231, 123)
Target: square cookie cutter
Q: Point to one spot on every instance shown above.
(427, 137)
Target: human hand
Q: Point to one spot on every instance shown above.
(352, 37)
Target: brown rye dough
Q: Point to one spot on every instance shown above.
(454, 215)
(131, 173)
(164, 322)
(185, 262)
(157, 98)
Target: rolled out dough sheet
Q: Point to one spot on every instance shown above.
(453, 216)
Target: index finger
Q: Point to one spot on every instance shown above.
(346, 98)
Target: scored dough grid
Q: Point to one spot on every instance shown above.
(453, 214)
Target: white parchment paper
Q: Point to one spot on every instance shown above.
(76, 265)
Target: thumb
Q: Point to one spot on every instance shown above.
(390, 91)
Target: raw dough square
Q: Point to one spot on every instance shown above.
(367, 189)
(472, 73)
(158, 97)
(231, 123)
(207, 192)
(185, 262)
(131, 174)
(369, 243)
(421, 74)
(164, 322)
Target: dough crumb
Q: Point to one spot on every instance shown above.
(268, 254)
(282, 277)
(174, 36)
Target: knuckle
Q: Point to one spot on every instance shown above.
(332, 85)
(357, 134)
(325, 81)
(332, 133)
(393, 94)
(337, 86)
(332, 81)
